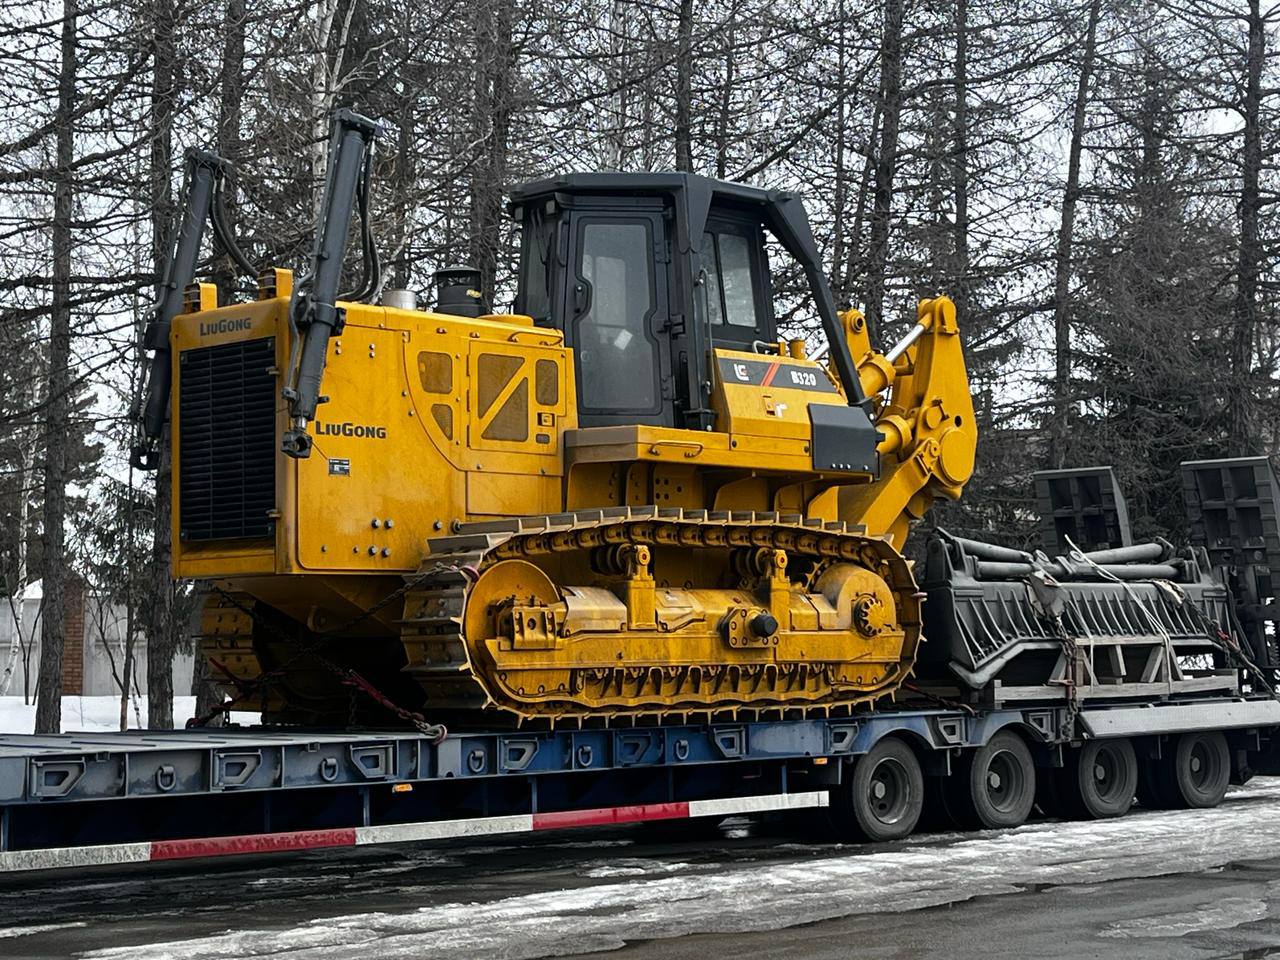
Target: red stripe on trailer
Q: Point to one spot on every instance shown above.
(19, 861)
(604, 816)
(252, 843)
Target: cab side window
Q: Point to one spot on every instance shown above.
(734, 281)
(537, 253)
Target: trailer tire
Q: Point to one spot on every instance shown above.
(1198, 771)
(883, 796)
(996, 787)
(1101, 779)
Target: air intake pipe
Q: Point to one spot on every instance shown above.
(458, 292)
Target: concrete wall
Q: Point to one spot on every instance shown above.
(87, 664)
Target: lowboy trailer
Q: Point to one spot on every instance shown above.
(1081, 682)
(84, 800)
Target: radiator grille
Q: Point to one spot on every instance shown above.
(227, 446)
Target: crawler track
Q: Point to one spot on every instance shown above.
(644, 675)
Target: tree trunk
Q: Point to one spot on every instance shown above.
(495, 66)
(126, 675)
(229, 123)
(960, 167)
(322, 92)
(1062, 261)
(647, 151)
(841, 177)
(405, 171)
(161, 639)
(620, 81)
(58, 410)
(684, 87)
(1244, 310)
(159, 627)
(724, 122)
(886, 160)
(130, 623)
(854, 261)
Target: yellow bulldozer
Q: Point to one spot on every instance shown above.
(629, 498)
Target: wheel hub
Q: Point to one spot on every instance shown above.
(887, 791)
(1003, 781)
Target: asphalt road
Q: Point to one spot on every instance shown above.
(1168, 885)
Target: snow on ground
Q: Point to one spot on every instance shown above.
(676, 899)
(1222, 915)
(95, 714)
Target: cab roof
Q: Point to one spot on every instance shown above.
(623, 184)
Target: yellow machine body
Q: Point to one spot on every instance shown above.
(456, 538)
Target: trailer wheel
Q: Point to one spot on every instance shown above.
(1197, 773)
(883, 797)
(997, 786)
(1100, 779)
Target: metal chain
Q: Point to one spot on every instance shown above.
(349, 678)
(1071, 682)
(940, 701)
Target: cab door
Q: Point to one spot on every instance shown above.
(618, 316)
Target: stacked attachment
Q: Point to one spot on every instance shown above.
(1109, 624)
(1105, 618)
(1083, 506)
(1232, 510)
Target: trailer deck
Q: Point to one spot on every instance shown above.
(89, 799)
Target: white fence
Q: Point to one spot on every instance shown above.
(105, 626)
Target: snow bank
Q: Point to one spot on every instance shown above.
(95, 714)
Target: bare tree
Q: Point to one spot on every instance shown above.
(53, 631)
(1244, 319)
(886, 161)
(491, 123)
(160, 626)
(1060, 429)
(684, 87)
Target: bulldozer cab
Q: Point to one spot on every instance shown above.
(646, 275)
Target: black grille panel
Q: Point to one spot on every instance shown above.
(227, 445)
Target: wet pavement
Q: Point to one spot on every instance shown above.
(1183, 884)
